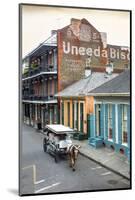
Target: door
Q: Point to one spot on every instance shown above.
(98, 120)
(124, 124)
(51, 114)
(62, 112)
(75, 118)
(81, 116)
(110, 135)
(68, 114)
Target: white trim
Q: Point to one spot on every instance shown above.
(111, 102)
(125, 144)
(110, 140)
(109, 94)
(40, 102)
(41, 73)
(97, 102)
(116, 124)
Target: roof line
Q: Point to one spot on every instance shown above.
(36, 48)
(109, 94)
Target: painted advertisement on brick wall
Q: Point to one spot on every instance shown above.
(81, 46)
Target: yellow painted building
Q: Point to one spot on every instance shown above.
(74, 112)
(76, 104)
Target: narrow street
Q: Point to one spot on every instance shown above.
(40, 174)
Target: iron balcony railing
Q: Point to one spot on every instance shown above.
(38, 98)
(39, 69)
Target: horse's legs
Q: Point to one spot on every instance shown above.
(73, 164)
(70, 162)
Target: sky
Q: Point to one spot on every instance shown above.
(38, 21)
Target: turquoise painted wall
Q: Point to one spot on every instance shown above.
(104, 127)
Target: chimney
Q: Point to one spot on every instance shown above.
(109, 68)
(75, 21)
(75, 26)
(87, 72)
(104, 39)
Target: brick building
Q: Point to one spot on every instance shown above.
(81, 46)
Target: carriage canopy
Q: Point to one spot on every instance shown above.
(59, 129)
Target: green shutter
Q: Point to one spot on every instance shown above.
(92, 127)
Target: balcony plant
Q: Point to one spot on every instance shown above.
(25, 70)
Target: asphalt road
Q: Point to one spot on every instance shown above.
(40, 174)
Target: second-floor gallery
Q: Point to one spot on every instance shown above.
(39, 84)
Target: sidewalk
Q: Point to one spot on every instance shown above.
(106, 157)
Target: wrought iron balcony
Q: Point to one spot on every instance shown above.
(39, 69)
(38, 98)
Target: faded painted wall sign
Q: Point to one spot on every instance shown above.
(111, 53)
(81, 46)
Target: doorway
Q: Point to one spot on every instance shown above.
(98, 119)
(81, 116)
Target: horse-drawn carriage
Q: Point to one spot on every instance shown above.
(57, 141)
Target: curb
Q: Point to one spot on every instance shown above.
(100, 163)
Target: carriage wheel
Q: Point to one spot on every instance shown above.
(45, 145)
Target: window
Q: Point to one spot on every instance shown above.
(110, 121)
(124, 123)
(55, 86)
(33, 111)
